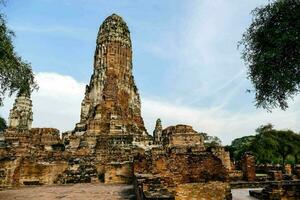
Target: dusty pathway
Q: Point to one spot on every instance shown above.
(241, 194)
(70, 192)
(86, 192)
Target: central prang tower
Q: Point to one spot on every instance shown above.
(111, 105)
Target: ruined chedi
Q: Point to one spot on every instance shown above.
(112, 104)
(157, 133)
(21, 116)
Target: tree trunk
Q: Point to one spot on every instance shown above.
(283, 160)
(296, 159)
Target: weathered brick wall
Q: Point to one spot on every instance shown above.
(181, 135)
(150, 187)
(224, 156)
(189, 168)
(40, 172)
(42, 138)
(45, 136)
(213, 190)
(182, 168)
(22, 171)
(118, 173)
(7, 172)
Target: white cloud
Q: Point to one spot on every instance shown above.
(57, 104)
(220, 122)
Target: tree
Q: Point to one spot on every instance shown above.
(15, 74)
(271, 49)
(285, 144)
(268, 145)
(2, 124)
(211, 141)
(296, 148)
(264, 145)
(239, 146)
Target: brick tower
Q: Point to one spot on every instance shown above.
(112, 104)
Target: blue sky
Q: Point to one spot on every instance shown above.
(186, 63)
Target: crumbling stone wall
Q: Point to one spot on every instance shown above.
(224, 156)
(119, 173)
(182, 167)
(181, 135)
(33, 172)
(214, 190)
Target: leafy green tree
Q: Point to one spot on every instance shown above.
(15, 74)
(285, 144)
(211, 141)
(296, 148)
(2, 124)
(268, 145)
(239, 146)
(271, 49)
(265, 144)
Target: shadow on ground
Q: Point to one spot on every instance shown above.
(128, 193)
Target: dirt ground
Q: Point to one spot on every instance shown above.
(242, 194)
(70, 192)
(86, 192)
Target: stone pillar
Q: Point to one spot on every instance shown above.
(248, 167)
(20, 116)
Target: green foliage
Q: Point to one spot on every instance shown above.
(265, 144)
(239, 146)
(2, 124)
(268, 145)
(15, 74)
(271, 49)
(211, 141)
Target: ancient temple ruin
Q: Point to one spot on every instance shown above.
(110, 143)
